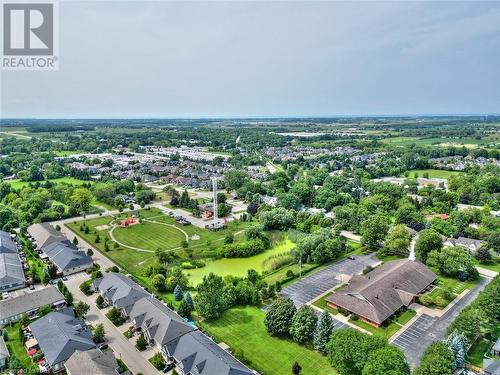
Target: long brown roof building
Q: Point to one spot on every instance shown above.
(379, 294)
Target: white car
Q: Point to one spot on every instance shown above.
(5, 295)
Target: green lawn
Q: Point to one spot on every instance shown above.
(388, 329)
(433, 173)
(321, 303)
(242, 328)
(18, 184)
(438, 141)
(454, 285)
(238, 266)
(492, 266)
(475, 355)
(149, 236)
(17, 349)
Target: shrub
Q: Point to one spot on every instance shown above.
(243, 249)
(157, 361)
(141, 344)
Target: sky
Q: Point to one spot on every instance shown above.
(164, 59)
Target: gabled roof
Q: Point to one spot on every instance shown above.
(119, 289)
(491, 366)
(65, 255)
(29, 301)
(11, 269)
(6, 243)
(197, 354)
(380, 293)
(92, 362)
(60, 334)
(163, 324)
(4, 352)
(45, 234)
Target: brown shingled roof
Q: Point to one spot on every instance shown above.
(382, 292)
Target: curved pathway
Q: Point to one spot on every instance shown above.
(127, 246)
(169, 225)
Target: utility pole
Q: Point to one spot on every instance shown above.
(214, 198)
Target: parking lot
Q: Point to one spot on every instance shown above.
(409, 338)
(314, 285)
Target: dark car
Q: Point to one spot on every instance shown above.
(102, 346)
(168, 367)
(351, 257)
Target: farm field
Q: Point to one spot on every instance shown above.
(242, 328)
(238, 266)
(433, 173)
(17, 184)
(444, 141)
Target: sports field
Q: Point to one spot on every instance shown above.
(433, 173)
(17, 184)
(243, 329)
(150, 236)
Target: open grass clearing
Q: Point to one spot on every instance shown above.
(243, 329)
(18, 184)
(433, 173)
(476, 353)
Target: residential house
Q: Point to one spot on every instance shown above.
(471, 245)
(379, 294)
(491, 366)
(59, 334)
(11, 267)
(120, 291)
(495, 350)
(59, 249)
(93, 362)
(28, 303)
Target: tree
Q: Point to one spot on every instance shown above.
(388, 360)
(24, 321)
(229, 238)
(279, 317)
(178, 294)
(90, 252)
(483, 255)
(436, 360)
(470, 323)
(303, 324)
(277, 218)
(373, 230)
(323, 331)
(397, 241)
(141, 344)
(428, 240)
(75, 241)
(234, 179)
(189, 300)
(81, 199)
(99, 301)
(98, 334)
(158, 282)
(81, 309)
(348, 350)
(458, 344)
(296, 368)
(115, 316)
(184, 310)
(494, 241)
(210, 302)
(454, 262)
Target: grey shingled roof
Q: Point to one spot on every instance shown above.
(65, 255)
(119, 289)
(491, 366)
(163, 324)
(4, 352)
(197, 354)
(11, 269)
(29, 301)
(380, 293)
(60, 334)
(45, 234)
(92, 362)
(6, 243)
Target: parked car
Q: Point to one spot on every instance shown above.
(351, 257)
(5, 295)
(102, 346)
(168, 367)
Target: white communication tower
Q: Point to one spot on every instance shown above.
(214, 189)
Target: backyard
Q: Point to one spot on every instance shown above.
(242, 328)
(17, 349)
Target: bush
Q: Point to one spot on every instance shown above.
(86, 288)
(141, 344)
(115, 316)
(158, 361)
(243, 249)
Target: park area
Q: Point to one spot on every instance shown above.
(243, 329)
(131, 243)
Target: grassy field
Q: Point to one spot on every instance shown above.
(242, 328)
(149, 236)
(17, 349)
(433, 173)
(18, 184)
(475, 355)
(439, 141)
(238, 266)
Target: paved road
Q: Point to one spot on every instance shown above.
(122, 348)
(314, 285)
(418, 336)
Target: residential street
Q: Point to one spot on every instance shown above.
(122, 347)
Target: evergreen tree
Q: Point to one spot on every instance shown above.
(323, 331)
(189, 300)
(178, 294)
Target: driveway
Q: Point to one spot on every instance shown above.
(135, 360)
(317, 283)
(426, 329)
